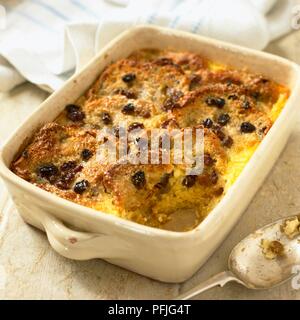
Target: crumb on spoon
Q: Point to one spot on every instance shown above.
(291, 228)
(271, 249)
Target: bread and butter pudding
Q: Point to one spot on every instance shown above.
(148, 90)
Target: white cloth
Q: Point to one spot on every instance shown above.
(45, 41)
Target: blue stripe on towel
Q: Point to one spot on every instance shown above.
(87, 10)
(51, 9)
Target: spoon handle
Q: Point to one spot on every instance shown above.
(219, 279)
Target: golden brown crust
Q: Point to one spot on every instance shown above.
(117, 181)
(238, 105)
(152, 80)
(253, 85)
(153, 89)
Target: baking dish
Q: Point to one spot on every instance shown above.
(79, 232)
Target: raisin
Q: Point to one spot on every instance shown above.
(106, 118)
(76, 116)
(219, 192)
(86, 154)
(135, 125)
(208, 123)
(65, 181)
(189, 181)
(172, 101)
(145, 114)
(68, 166)
(163, 62)
(138, 179)
(215, 102)
(233, 97)
(127, 93)
(78, 169)
(218, 131)
(227, 142)
(204, 179)
(220, 134)
(81, 186)
(264, 81)
(74, 112)
(70, 169)
(129, 77)
(128, 108)
(47, 171)
(68, 177)
(208, 160)
(247, 127)
(164, 180)
(223, 119)
(194, 81)
(72, 108)
(263, 130)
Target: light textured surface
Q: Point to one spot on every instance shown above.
(30, 269)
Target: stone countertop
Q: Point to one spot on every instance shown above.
(30, 269)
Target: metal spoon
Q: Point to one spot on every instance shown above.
(248, 263)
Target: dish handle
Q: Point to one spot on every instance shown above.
(76, 245)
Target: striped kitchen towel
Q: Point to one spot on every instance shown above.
(45, 41)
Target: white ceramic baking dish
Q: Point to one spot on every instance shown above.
(81, 233)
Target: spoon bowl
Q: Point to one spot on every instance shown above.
(262, 260)
(248, 262)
